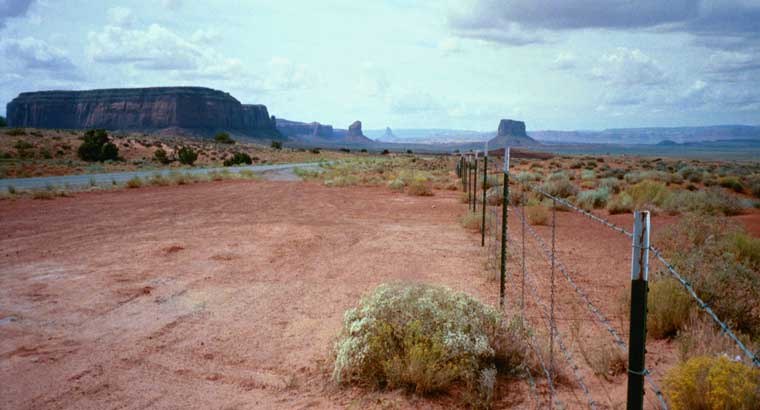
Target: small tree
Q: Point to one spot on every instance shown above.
(276, 145)
(96, 147)
(187, 156)
(237, 159)
(161, 156)
(3, 121)
(224, 138)
(385, 152)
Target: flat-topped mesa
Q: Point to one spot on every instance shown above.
(195, 110)
(511, 127)
(511, 132)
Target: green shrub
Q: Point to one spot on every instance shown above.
(276, 145)
(426, 339)
(342, 180)
(96, 147)
(315, 151)
(692, 174)
(732, 182)
(15, 132)
(22, 145)
(224, 138)
(385, 152)
(712, 201)
(612, 185)
(648, 194)
(419, 187)
(187, 156)
(396, 184)
(712, 383)
(669, 307)
(524, 177)
(597, 198)
(161, 157)
(588, 174)
(237, 159)
(621, 204)
(560, 186)
(717, 256)
(3, 121)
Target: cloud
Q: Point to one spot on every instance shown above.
(414, 103)
(732, 62)
(282, 74)
(120, 17)
(31, 54)
(13, 9)
(713, 23)
(628, 67)
(564, 61)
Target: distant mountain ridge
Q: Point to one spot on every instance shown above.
(645, 135)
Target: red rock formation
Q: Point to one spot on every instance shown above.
(195, 110)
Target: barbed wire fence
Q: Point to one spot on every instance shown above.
(507, 253)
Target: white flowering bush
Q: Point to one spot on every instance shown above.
(426, 339)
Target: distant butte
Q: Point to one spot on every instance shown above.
(190, 110)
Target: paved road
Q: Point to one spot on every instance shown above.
(122, 177)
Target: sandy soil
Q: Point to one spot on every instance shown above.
(227, 295)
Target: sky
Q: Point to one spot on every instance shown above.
(564, 65)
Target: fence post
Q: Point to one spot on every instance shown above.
(474, 183)
(504, 214)
(522, 285)
(485, 176)
(638, 330)
(466, 177)
(551, 290)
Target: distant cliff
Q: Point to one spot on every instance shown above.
(195, 110)
(317, 133)
(511, 132)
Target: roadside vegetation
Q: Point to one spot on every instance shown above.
(428, 340)
(28, 152)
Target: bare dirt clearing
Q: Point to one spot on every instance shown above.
(215, 295)
(228, 294)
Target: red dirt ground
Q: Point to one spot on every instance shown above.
(227, 295)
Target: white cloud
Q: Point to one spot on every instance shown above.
(628, 67)
(565, 60)
(120, 17)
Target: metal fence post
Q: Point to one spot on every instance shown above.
(522, 285)
(551, 290)
(504, 214)
(483, 220)
(474, 183)
(466, 178)
(638, 329)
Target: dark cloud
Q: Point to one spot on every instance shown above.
(13, 8)
(714, 23)
(31, 54)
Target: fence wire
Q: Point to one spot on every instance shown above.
(725, 329)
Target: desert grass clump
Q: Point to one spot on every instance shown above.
(722, 262)
(594, 199)
(731, 182)
(669, 308)
(342, 181)
(613, 185)
(134, 182)
(426, 339)
(537, 214)
(396, 184)
(711, 201)
(560, 186)
(419, 187)
(648, 194)
(712, 383)
(621, 204)
(472, 220)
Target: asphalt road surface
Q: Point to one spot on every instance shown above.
(122, 177)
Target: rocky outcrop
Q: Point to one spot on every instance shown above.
(511, 132)
(355, 135)
(195, 110)
(303, 130)
(388, 135)
(511, 128)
